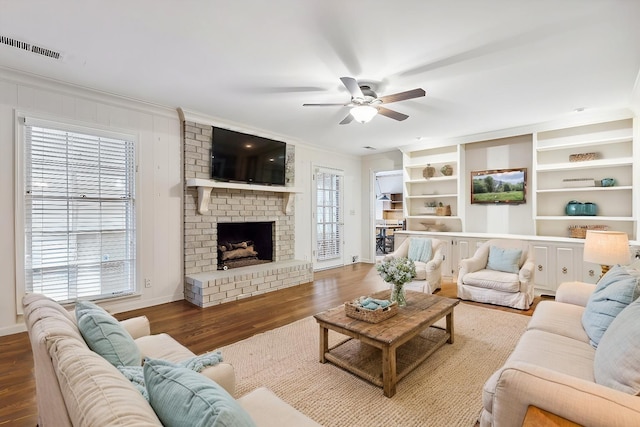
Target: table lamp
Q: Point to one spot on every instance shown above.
(606, 248)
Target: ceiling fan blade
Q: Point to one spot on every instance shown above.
(347, 119)
(325, 105)
(415, 93)
(352, 85)
(392, 114)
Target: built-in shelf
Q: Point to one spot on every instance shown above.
(586, 189)
(206, 185)
(432, 179)
(583, 218)
(589, 164)
(431, 196)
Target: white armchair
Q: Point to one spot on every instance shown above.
(428, 274)
(478, 281)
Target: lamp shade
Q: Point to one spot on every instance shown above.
(606, 247)
(363, 113)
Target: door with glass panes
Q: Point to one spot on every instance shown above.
(328, 216)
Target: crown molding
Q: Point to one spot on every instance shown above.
(63, 88)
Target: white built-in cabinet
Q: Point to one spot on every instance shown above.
(559, 180)
(560, 262)
(422, 189)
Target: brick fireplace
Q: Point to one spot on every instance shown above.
(205, 285)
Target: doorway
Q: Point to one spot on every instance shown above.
(388, 210)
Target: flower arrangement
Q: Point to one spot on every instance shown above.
(397, 270)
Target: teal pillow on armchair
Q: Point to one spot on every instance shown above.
(420, 249)
(506, 260)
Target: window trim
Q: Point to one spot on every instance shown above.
(22, 118)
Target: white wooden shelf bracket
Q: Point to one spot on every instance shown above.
(205, 186)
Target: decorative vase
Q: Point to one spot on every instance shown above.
(428, 172)
(446, 170)
(398, 294)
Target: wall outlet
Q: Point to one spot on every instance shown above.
(147, 283)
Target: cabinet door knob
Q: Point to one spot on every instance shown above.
(592, 273)
(539, 267)
(564, 270)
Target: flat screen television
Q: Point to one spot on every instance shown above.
(239, 157)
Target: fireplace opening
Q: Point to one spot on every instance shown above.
(244, 243)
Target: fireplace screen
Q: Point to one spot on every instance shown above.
(244, 243)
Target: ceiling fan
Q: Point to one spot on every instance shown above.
(365, 103)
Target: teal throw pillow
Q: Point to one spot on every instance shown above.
(614, 291)
(420, 249)
(106, 336)
(617, 360)
(501, 259)
(181, 397)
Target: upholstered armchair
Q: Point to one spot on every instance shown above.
(500, 272)
(428, 272)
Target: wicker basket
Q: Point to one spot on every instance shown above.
(354, 311)
(443, 210)
(581, 157)
(580, 231)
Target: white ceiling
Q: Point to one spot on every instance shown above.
(485, 65)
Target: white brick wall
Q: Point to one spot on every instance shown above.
(231, 205)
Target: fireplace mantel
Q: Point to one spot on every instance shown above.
(206, 185)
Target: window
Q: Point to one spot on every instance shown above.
(79, 212)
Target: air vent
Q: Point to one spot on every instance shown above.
(29, 47)
(46, 52)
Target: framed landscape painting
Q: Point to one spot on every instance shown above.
(501, 186)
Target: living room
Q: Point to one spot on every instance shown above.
(47, 90)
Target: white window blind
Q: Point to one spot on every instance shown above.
(79, 214)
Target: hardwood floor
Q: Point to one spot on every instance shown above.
(202, 330)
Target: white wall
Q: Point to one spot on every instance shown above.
(159, 191)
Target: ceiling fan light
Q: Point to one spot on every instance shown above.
(363, 113)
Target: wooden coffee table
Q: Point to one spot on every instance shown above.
(383, 353)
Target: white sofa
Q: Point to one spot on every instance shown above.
(552, 368)
(428, 274)
(77, 387)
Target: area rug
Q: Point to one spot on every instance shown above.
(445, 390)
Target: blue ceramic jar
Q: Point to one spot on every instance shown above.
(574, 208)
(590, 209)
